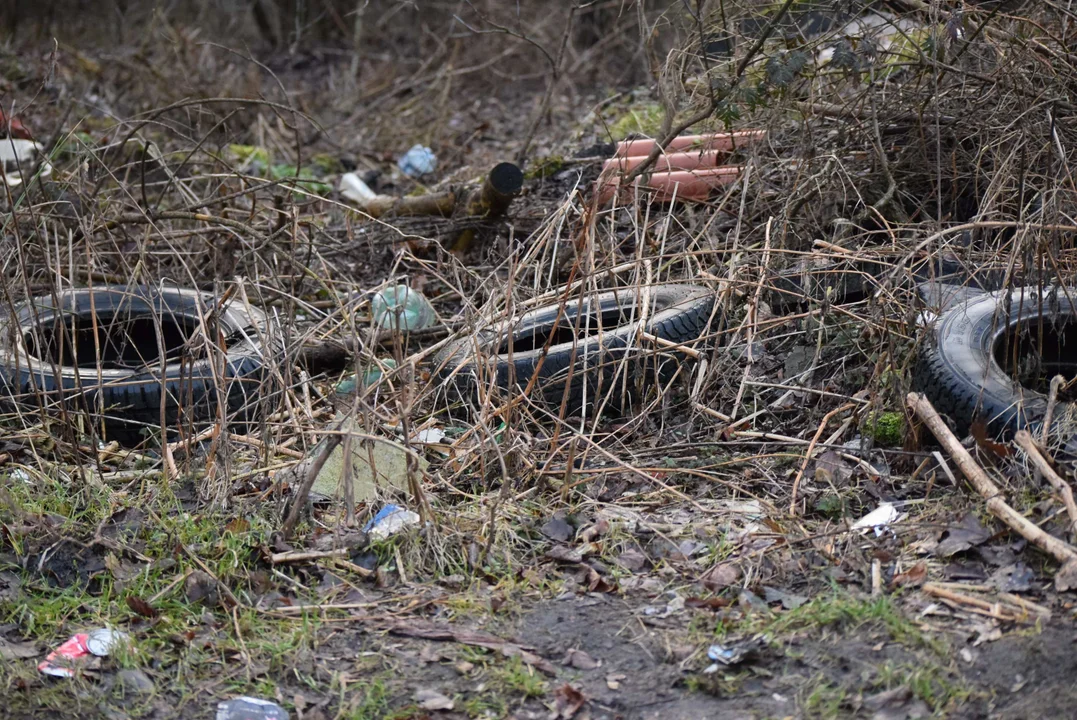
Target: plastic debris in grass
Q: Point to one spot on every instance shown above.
(418, 161)
(19, 160)
(376, 464)
(353, 188)
(389, 521)
(880, 519)
(730, 654)
(400, 307)
(370, 378)
(249, 708)
(79, 650)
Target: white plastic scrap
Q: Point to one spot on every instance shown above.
(17, 158)
(430, 436)
(353, 188)
(878, 519)
(390, 520)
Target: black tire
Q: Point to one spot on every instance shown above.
(678, 313)
(960, 374)
(37, 364)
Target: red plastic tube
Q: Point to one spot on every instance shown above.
(715, 141)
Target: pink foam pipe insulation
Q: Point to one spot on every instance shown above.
(723, 142)
(694, 185)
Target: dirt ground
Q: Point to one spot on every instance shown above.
(690, 556)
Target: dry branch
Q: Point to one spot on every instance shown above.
(1061, 551)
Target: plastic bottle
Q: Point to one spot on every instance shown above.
(401, 308)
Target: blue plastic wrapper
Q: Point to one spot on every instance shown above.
(418, 161)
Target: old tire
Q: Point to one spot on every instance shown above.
(960, 371)
(605, 361)
(118, 378)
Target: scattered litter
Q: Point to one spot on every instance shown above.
(878, 519)
(400, 307)
(430, 436)
(731, 654)
(248, 708)
(353, 188)
(371, 377)
(675, 605)
(18, 158)
(418, 161)
(390, 520)
(375, 464)
(65, 660)
(433, 700)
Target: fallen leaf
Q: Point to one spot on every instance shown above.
(714, 603)
(569, 701)
(433, 700)
(17, 651)
(1066, 577)
(557, 528)
(720, 577)
(237, 526)
(613, 681)
(564, 554)
(631, 560)
(832, 470)
(788, 600)
(978, 430)
(593, 532)
(580, 660)
(1013, 578)
(961, 537)
(912, 577)
(141, 607)
(200, 587)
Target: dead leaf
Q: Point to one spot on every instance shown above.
(720, 577)
(788, 600)
(966, 534)
(557, 528)
(17, 651)
(564, 554)
(832, 470)
(631, 560)
(597, 583)
(580, 660)
(141, 607)
(433, 700)
(593, 532)
(237, 526)
(978, 430)
(714, 603)
(1066, 577)
(1013, 578)
(569, 701)
(912, 577)
(200, 587)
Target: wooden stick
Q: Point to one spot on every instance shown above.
(302, 555)
(1036, 455)
(1061, 551)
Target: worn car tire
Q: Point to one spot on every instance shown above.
(38, 365)
(591, 365)
(959, 371)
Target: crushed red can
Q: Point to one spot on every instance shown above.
(66, 660)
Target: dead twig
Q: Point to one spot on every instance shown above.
(1061, 551)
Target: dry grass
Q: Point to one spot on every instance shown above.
(940, 148)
